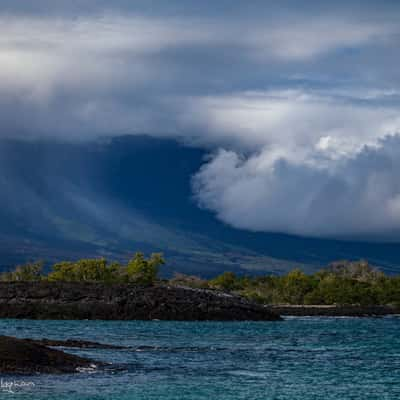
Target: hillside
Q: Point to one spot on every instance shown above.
(67, 201)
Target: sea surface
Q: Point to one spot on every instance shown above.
(298, 358)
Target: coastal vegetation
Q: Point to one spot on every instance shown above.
(340, 283)
(139, 270)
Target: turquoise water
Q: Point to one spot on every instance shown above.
(299, 358)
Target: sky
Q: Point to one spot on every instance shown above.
(296, 102)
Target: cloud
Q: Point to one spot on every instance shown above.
(358, 197)
(294, 123)
(305, 40)
(317, 164)
(107, 73)
(88, 76)
(290, 103)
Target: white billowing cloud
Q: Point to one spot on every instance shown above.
(325, 166)
(357, 197)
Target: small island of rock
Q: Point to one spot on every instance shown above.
(75, 300)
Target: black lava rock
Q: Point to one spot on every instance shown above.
(66, 300)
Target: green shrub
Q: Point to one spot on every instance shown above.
(86, 270)
(142, 271)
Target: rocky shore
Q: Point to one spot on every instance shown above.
(334, 310)
(63, 300)
(21, 356)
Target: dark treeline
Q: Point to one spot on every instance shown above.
(341, 283)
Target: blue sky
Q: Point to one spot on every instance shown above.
(296, 101)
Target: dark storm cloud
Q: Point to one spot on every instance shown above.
(302, 84)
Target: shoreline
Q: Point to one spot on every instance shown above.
(95, 301)
(334, 310)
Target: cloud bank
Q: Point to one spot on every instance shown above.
(299, 109)
(106, 73)
(327, 164)
(356, 197)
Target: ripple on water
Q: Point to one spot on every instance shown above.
(298, 358)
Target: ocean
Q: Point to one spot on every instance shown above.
(296, 359)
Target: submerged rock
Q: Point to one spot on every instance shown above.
(66, 300)
(20, 356)
(74, 343)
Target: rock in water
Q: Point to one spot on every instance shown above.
(20, 356)
(73, 343)
(67, 300)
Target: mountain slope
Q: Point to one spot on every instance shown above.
(133, 193)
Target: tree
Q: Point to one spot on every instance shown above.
(142, 271)
(63, 271)
(296, 285)
(360, 270)
(86, 270)
(27, 272)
